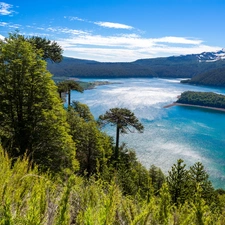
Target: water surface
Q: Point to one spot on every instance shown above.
(192, 134)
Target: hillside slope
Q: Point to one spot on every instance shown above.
(185, 66)
(214, 77)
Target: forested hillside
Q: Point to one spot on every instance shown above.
(180, 66)
(83, 68)
(59, 168)
(214, 77)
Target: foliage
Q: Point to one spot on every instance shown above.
(93, 146)
(32, 119)
(34, 127)
(67, 86)
(157, 178)
(199, 179)
(51, 50)
(30, 197)
(124, 120)
(83, 111)
(132, 177)
(178, 183)
(202, 98)
(183, 184)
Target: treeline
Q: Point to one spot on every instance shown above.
(214, 77)
(181, 66)
(70, 67)
(202, 98)
(59, 167)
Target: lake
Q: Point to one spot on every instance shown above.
(189, 133)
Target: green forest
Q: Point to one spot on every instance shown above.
(209, 99)
(176, 67)
(58, 167)
(214, 77)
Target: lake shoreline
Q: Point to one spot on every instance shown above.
(191, 105)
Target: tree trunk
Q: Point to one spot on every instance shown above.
(117, 142)
(69, 97)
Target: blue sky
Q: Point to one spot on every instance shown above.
(119, 30)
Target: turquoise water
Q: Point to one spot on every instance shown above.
(189, 133)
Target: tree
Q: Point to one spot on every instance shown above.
(157, 178)
(132, 176)
(67, 86)
(178, 181)
(124, 120)
(93, 146)
(51, 49)
(199, 177)
(83, 111)
(32, 119)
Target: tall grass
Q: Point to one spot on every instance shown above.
(28, 197)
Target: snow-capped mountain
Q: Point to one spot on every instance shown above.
(211, 56)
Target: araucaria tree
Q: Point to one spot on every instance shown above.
(32, 119)
(124, 120)
(50, 49)
(67, 86)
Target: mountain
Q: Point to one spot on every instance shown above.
(211, 56)
(214, 77)
(184, 66)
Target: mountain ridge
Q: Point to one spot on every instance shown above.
(183, 66)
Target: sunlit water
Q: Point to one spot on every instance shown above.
(191, 134)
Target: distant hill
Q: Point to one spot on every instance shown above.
(214, 77)
(184, 66)
(71, 67)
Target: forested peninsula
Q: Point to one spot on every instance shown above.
(58, 167)
(206, 99)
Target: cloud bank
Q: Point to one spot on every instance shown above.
(129, 44)
(127, 48)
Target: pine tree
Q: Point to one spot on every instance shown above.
(157, 177)
(199, 177)
(178, 182)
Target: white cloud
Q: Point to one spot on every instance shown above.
(128, 41)
(179, 40)
(4, 24)
(101, 24)
(126, 48)
(119, 47)
(2, 37)
(74, 18)
(5, 8)
(70, 31)
(61, 30)
(113, 25)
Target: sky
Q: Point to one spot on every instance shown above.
(119, 30)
